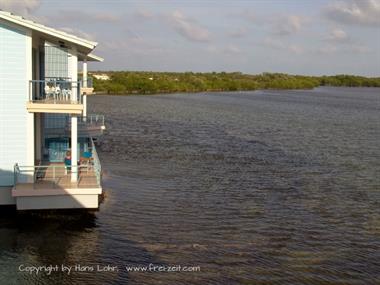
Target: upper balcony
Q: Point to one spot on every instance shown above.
(55, 95)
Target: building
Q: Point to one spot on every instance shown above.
(102, 76)
(48, 158)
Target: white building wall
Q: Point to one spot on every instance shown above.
(15, 52)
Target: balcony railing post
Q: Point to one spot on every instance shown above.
(54, 176)
(15, 174)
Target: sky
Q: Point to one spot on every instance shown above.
(310, 37)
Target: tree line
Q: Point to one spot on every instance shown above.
(138, 82)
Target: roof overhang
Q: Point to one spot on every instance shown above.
(49, 34)
(90, 57)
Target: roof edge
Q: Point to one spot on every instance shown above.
(18, 20)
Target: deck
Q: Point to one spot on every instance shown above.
(56, 176)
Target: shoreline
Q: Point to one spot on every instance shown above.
(228, 91)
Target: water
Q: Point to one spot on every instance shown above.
(267, 187)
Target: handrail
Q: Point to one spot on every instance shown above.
(55, 90)
(97, 165)
(23, 174)
(89, 82)
(92, 119)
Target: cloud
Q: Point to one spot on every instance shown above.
(21, 7)
(280, 45)
(356, 12)
(188, 28)
(83, 16)
(231, 49)
(144, 14)
(349, 49)
(238, 33)
(327, 49)
(249, 15)
(78, 33)
(288, 25)
(136, 46)
(338, 35)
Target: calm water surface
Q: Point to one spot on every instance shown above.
(273, 187)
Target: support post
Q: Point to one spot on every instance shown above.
(84, 79)
(84, 106)
(84, 73)
(74, 148)
(38, 135)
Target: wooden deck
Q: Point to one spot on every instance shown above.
(59, 178)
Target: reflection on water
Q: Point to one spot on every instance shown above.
(254, 187)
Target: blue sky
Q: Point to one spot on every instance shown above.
(299, 37)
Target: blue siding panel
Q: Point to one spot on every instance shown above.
(13, 97)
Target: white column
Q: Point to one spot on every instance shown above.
(84, 96)
(38, 136)
(73, 72)
(84, 73)
(84, 79)
(74, 148)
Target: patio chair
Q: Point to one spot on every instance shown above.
(58, 93)
(49, 92)
(66, 93)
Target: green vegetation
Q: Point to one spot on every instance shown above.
(168, 82)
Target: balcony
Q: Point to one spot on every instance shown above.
(92, 125)
(54, 95)
(50, 185)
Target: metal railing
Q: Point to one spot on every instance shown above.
(65, 121)
(89, 82)
(91, 126)
(55, 176)
(96, 162)
(55, 90)
(92, 119)
(59, 175)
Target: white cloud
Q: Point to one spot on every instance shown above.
(83, 16)
(356, 12)
(250, 16)
(327, 49)
(349, 49)
(136, 46)
(237, 33)
(288, 25)
(296, 49)
(188, 28)
(78, 33)
(280, 45)
(144, 14)
(231, 49)
(212, 49)
(338, 35)
(21, 7)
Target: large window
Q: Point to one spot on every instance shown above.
(56, 62)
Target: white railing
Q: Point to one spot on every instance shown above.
(56, 175)
(55, 90)
(96, 162)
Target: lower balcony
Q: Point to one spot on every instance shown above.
(51, 185)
